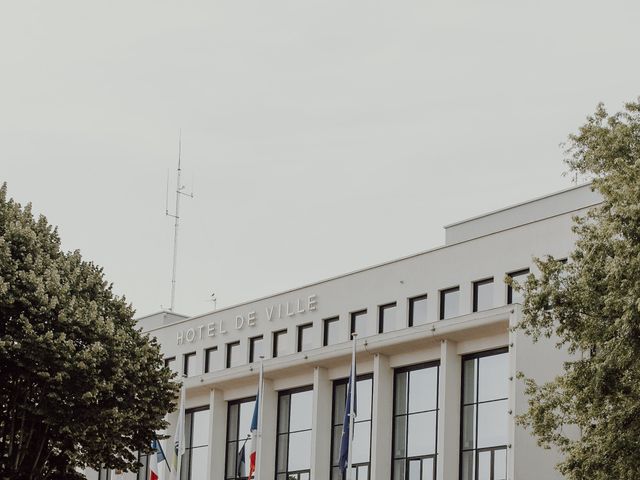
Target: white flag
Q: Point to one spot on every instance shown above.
(179, 441)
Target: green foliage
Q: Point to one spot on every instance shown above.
(79, 385)
(591, 305)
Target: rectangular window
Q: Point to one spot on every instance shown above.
(210, 355)
(305, 337)
(483, 295)
(415, 421)
(514, 296)
(279, 346)
(172, 365)
(387, 318)
(196, 434)
(239, 415)
(233, 354)
(189, 364)
(449, 303)
(485, 416)
(256, 348)
(331, 327)
(362, 427)
(418, 310)
(359, 323)
(293, 444)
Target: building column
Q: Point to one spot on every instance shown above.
(382, 417)
(449, 407)
(321, 425)
(217, 434)
(266, 448)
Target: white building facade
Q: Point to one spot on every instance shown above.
(436, 362)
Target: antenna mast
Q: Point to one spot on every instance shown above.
(176, 224)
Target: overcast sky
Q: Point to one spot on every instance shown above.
(319, 136)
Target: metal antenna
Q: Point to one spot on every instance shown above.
(176, 224)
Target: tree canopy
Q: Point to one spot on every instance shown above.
(79, 385)
(591, 306)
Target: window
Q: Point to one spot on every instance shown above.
(196, 434)
(331, 331)
(305, 338)
(361, 456)
(105, 473)
(449, 303)
(418, 310)
(387, 320)
(485, 417)
(359, 323)
(483, 295)
(189, 364)
(293, 448)
(415, 422)
(279, 346)
(239, 415)
(172, 364)
(233, 354)
(512, 295)
(256, 348)
(210, 355)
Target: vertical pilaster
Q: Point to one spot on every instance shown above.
(449, 406)
(217, 434)
(266, 454)
(382, 417)
(321, 425)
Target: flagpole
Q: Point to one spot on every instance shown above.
(260, 404)
(352, 406)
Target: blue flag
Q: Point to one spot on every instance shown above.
(346, 433)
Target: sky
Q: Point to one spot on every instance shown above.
(318, 137)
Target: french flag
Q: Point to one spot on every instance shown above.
(155, 458)
(253, 445)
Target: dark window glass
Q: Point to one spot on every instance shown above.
(293, 444)
(189, 364)
(210, 359)
(239, 415)
(387, 318)
(196, 434)
(172, 364)
(233, 354)
(514, 296)
(278, 343)
(418, 310)
(485, 417)
(483, 295)
(362, 426)
(359, 323)
(256, 348)
(331, 327)
(305, 337)
(415, 424)
(449, 303)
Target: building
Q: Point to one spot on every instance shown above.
(436, 361)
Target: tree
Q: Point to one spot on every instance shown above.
(591, 305)
(79, 385)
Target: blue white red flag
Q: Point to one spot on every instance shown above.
(345, 441)
(253, 444)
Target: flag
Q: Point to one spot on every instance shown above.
(240, 464)
(179, 440)
(253, 445)
(156, 457)
(345, 440)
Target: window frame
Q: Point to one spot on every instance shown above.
(229, 349)
(186, 358)
(252, 347)
(412, 300)
(442, 295)
(275, 336)
(352, 317)
(325, 329)
(207, 364)
(381, 310)
(188, 452)
(238, 402)
(283, 393)
(476, 285)
(516, 273)
(299, 332)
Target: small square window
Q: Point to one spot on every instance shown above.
(387, 318)
(305, 337)
(331, 334)
(170, 363)
(279, 346)
(209, 359)
(233, 354)
(256, 348)
(418, 310)
(483, 295)
(449, 303)
(512, 295)
(359, 323)
(189, 364)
